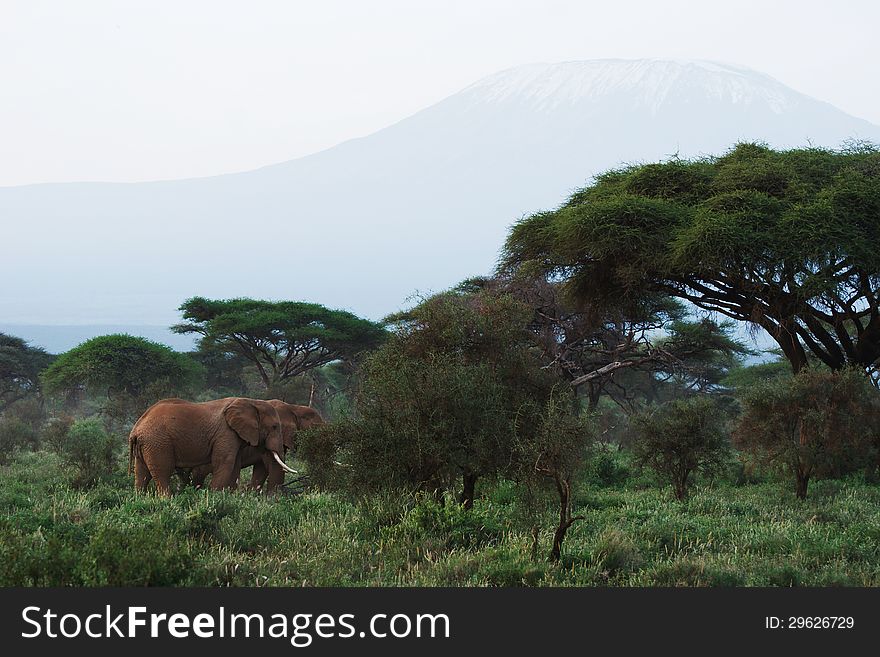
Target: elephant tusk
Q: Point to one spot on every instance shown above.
(283, 464)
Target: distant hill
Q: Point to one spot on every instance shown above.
(417, 206)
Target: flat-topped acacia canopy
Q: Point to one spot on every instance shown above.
(282, 338)
(787, 240)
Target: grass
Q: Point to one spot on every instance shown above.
(635, 534)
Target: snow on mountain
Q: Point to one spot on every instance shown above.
(414, 207)
(649, 83)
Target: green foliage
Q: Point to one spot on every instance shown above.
(123, 365)
(54, 433)
(282, 339)
(20, 367)
(135, 554)
(741, 379)
(680, 438)
(90, 450)
(615, 552)
(421, 423)
(748, 535)
(815, 424)
(15, 435)
(446, 527)
(784, 239)
(551, 456)
(439, 400)
(607, 466)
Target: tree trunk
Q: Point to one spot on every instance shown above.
(563, 488)
(594, 393)
(787, 339)
(802, 481)
(680, 485)
(680, 490)
(469, 483)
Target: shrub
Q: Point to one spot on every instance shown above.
(616, 552)
(816, 424)
(16, 435)
(607, 466)
(55, 432)
(203, 520)
(120, 554)
(679, 438)
(438, 401)
(90, 450)
(457, 527)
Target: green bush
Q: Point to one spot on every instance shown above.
(680, 438)
(814, 425)
(203, 521)
(16, 435)
(90, 450)
(615, 552)
(607, 466)
(457, 527)
(55, 432)
(132, 554)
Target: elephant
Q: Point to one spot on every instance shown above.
(174, 433)
(293, 418)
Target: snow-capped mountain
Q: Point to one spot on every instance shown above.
(646, 84)
(416, 206)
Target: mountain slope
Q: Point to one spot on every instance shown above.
(416, 206)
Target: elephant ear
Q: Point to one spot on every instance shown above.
(243, 419)
(293, 423)
(307, 417)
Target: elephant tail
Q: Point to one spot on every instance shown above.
(132, 445)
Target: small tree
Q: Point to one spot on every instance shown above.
(814, 424)
(553, 453)
(129, 371)
(438, 401)
(283, 339)
(679, 438)
(90, 449)
(423, 424)
(20, 367)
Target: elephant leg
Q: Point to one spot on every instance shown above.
(258, 476)
(160, 466)
(225, 469)
(142, 475)
(198, 475)
(275, 475)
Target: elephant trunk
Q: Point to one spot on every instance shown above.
(283, 465)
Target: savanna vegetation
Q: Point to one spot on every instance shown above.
(590, 414)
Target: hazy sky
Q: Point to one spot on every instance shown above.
(125, 90)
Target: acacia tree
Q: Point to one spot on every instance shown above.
(20, 367)
(783, 239)
(626, 353)
(130, 371)
(283, 339)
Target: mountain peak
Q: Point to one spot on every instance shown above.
(647, 82)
